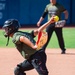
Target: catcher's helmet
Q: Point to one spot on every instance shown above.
(11, 26)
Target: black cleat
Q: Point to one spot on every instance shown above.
(63, 52)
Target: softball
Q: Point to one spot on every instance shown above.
(56, 18)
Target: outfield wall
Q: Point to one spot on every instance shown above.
(28, 12)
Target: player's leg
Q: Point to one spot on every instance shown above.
(39, 63)
(60, 39)
(22, 67)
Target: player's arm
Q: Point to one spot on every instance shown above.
(41, 18)
(41, 28)
(27, 42)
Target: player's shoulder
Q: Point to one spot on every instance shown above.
(59, 4)
(17, 33)
(20, 33)
(48, 5)
(17, 36)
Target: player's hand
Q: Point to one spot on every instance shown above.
(52, 19)
(38, 23)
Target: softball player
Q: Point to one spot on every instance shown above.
(27, 47)
(54, 8)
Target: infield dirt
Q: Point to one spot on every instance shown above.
(57, 63)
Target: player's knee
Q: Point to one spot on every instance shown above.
(17, 71)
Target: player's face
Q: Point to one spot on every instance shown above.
(53, 1)
(6, 30)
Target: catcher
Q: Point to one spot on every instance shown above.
(27, 47)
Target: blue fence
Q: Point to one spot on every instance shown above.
(28, 12)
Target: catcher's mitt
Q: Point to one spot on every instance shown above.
(42, 39)
(60, 23)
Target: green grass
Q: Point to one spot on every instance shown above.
(68, 33)
(69, 39)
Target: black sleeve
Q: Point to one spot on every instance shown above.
(44, 14)
(32, 33)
